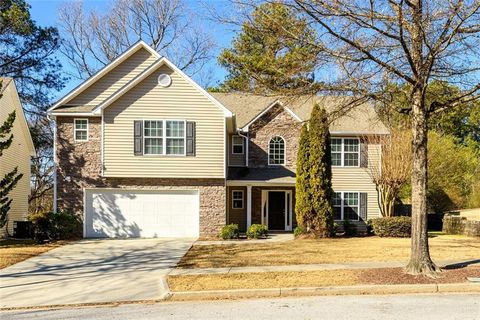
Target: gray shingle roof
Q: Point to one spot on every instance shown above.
(362, 119)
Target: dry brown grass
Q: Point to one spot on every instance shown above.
(262, 280)
(14, 251)
(324, 278)
(338, 250)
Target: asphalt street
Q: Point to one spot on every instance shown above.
(425, 307)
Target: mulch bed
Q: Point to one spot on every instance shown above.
(397, 276)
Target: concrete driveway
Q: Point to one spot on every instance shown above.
(91, 271)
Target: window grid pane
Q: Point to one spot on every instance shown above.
(153, 146)
(277, 151)
(175, 146)
(81, 124)
(80, 135)
(153, 129)
(175, 129)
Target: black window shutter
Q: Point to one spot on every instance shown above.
(363, 206)
(138, 137)
(190, 138)
(363, 154)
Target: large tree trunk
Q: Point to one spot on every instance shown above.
(420, 261)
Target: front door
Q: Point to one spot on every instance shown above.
(276, 210)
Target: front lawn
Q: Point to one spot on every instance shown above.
(14, 251)
(312, 279)
(336, 250)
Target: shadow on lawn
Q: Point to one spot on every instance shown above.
(461, 265)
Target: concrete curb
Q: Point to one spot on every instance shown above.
(468, 288)
(324, 291)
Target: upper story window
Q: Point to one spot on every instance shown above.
(276, 151)
(237, 145)
(345, 152)
(81, 129)
(164, 137)
(346, 205)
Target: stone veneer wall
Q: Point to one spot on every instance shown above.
(275, 122)
(79, 166)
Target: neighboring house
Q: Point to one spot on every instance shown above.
(17, 155)
(142, 150)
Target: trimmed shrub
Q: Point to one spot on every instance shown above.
(349, 228)
(230, 231)
(56, 226)
(257, 231)
(298, 231)
(392, 226)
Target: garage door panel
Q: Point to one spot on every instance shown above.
(122, 213)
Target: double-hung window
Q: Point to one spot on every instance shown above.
(345, 152)
(237, 145)
(346, 205)
(81, 129)
(164, 137)
(237, 199)
(175, 137)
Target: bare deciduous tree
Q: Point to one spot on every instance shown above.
(394, 168)
(92, 39)
(370, 44)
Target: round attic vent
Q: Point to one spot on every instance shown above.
(164, 80)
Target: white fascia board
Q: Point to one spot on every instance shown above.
(356, 133)
(276, 102)
(73, 114)
(81, 87)
(239, 183)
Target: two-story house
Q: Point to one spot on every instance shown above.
(141, 150)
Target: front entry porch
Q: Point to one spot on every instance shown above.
(271, 205)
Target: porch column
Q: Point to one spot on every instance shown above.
(249, 206)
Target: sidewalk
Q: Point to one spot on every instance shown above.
(310, 267)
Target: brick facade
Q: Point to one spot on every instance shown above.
(79, 166)
(275, 122)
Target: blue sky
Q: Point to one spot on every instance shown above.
(44, 12)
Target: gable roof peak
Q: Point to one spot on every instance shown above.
(100, 73)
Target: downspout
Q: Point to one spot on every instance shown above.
(55, 166)
(240, 133)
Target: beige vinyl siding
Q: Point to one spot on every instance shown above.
(18, 154)
(180, 101)
(115, 79)
(235, 160)
(359, 180)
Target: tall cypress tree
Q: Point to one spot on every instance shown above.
(320, 177)
(10, 180)
(303, 209)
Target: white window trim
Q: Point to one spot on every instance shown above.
(164, 138)
(243, 199)
(342, 152)
(284, 152)
(75, 129)
(233, 144)
(342, 207)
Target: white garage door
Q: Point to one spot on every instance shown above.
(132, 213)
